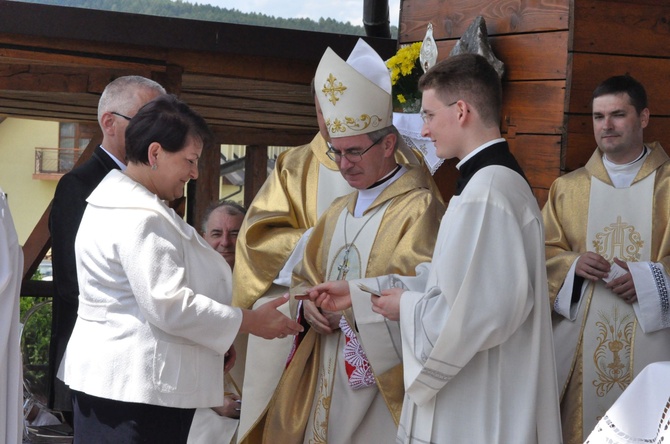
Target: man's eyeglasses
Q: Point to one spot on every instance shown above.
(120, 115)
(428, 117)
(352, 155)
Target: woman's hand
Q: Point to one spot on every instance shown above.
(229, 359)
(267, 322)
(231, 406)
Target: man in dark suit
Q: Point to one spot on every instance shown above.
(120, 100)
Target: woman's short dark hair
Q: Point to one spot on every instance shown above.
(168, 121)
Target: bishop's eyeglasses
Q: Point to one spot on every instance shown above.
(352, 155)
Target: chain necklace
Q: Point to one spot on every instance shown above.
(343, 268)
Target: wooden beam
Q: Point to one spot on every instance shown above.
(37, 245)
(451, 18)
(635, 28)
(255, 171)
(207, 185)
(41, 289)
(522, 100)
(85, 56)
(232, 135)
(534, 56)
(58, 79)
(106, 32)
(170, 79)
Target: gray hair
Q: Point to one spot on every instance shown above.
(119, 94)
(383, 132)
(227, 206)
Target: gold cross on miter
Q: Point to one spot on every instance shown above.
(333, 87)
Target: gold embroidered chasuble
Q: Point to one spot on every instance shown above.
(404, 238)
(596, 351)
(301, 187)
(284, 208)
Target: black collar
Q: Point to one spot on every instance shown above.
(385, 178)
(496, 154)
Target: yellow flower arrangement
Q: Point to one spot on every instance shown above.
(405, 71)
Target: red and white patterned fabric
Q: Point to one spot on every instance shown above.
(355, 361)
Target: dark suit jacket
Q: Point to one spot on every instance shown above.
(68, 207)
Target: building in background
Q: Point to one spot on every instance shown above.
(34, 154)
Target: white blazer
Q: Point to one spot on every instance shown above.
(152, 326)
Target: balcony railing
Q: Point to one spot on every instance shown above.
(55, 161)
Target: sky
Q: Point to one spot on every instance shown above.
(340, 10)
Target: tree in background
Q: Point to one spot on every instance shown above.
(182, 9)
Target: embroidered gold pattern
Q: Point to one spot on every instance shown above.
(332, 88)
(619, 240)
(613, 352)
(353, 123)
(322, 409)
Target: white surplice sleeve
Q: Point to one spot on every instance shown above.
(380, 336)
(563, 304)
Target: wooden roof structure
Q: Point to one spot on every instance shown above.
(250, 83)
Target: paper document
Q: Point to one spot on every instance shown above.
(367, 289)
(615, 271)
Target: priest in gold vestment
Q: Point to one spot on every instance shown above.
(303, 184)
(608, 257)
(346, 387)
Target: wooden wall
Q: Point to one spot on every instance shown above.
(555, 53)
(531, 38)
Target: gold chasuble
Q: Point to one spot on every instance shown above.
(599, 340)
(303, 184)
(291, 200)
(282, 210)
(399, 228)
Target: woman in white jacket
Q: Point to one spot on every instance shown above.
(153, 324)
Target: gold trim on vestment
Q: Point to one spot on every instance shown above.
(282, 210)
(405, 238)
(569, 198)
(288, 412)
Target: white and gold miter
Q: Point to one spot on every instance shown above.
(355, 96)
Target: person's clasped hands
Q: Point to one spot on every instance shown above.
(617, 277)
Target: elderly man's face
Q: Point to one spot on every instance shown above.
(221, 233)
(363, 161)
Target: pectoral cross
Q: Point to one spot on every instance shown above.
(343, 268)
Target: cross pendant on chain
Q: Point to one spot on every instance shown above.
(343, 268)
